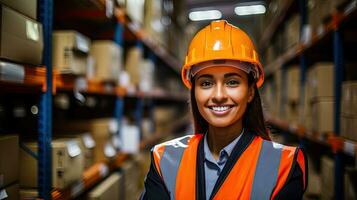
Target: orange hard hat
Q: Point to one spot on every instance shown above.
(221, 41)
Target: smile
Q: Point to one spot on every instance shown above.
(220, 109)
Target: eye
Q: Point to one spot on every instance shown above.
(232, 83)
(206, 84)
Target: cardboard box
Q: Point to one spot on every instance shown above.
(293, 83)
(292, 31)
(322, 112)
(12, 192)
(132, 65)
(87, 145)
(70, 52)
(350, 183)
(349, 98)
(108, 60)
(28, 194)
(327, 177)
(130, 171)
(21, 43)
(67, 164)
(110, 188)
(9, 159)
(25, 7)
(321, 81)
(102, 132)
(348, 127)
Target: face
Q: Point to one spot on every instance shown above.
(222, 94)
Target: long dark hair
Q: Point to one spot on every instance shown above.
(253, 119)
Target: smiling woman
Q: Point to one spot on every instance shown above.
(230, 155)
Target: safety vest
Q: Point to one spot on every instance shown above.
(259, 173)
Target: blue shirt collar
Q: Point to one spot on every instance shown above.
(227, 149)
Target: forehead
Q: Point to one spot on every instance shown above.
(221, 70)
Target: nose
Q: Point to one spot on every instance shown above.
(219, 94)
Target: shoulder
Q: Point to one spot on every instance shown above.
(181, 142)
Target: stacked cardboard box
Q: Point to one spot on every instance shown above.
(67, 164)
(153, 20)
(277, 88)
(107, 57)
(21, 43)
(292, 108)
(9, 165)
(111, 188)
(70, 52)
(11, 192)
(349, 110)
(319, 97)
(28, 7)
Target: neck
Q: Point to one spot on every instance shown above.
(219, 137)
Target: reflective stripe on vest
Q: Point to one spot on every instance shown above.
(259, 173)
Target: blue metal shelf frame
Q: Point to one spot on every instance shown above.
(45, 13)
(339, 65)
(302, 60)
(119, 102)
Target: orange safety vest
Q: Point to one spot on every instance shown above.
(259, 173)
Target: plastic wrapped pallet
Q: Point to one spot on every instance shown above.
(146, 68)
(70, 52)
(28, 7)
(327, 177)
(9, 159)
(21, 43)
(293, 83)
(107, 60)
(132, 65)
(67, 164)
(11, 192)
(111, 188)
(349, 98)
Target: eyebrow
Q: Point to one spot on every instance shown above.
(205, 76)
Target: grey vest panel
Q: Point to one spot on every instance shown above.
(170, 162)
(266, 172)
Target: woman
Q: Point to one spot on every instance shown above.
(230, 156)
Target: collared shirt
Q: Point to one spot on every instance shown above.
(214, 168)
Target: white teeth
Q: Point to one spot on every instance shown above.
(220, 108)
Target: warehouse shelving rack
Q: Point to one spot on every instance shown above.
(44, 80)
(332, 33)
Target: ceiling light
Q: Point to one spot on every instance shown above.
(250, 10)
(205, 15)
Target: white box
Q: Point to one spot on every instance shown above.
(110, 188)
(321, 81)
(21, 37)
(323, 115)
(70, 52)
(349, 98)
(67, 164)
(9, 159)
(107, 60)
